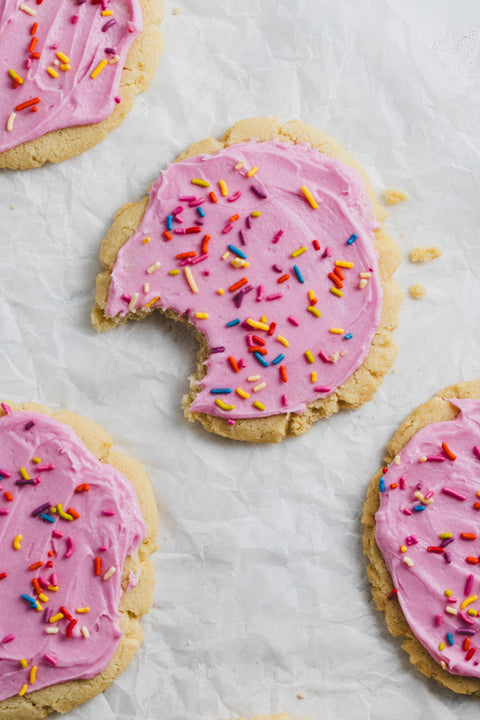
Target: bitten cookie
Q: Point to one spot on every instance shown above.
(271, 244)
(421, 536)
(69, 73)
(78, 523)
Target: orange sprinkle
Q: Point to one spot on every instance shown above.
(466, 643)
(448, 452)
(339, 273)
(74, 513)
(332, 276)
(34, 28)
(50, 553)
(205, 241)
(27, 104)
(183, 256)
(468, 536)
(238, 285)
(472, 560)
(258, 349)
(234, 217)
(283, 373)
(36, 565)
(98, 566)
(33, 42)
(8, 496)
(167, 235)
(36, 586)
(233, 364)
(283, 278)
(212, 196)
(393, 486)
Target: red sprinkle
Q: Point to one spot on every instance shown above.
(393, 594)
(258, 349)
(3, 575)
(470, 653)
(98, 566)
(64, 610)
(70, 628)
(316, 244)
(273, 325)
(435, 549)
(192, 230)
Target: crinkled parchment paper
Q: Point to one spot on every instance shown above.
(261, 587)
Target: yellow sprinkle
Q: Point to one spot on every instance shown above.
(445, 535)
(53, 588)
(448, 593)
(309, 356)
(253, 378)
(260, 386)
(468, 601)
(239, 165)
(52, 72)
(64, 67)
(223, 405)
(10, 121)
(223, 187)
(255, 213)
(201, 183)
(43, 597)
(283, 340)
(152, 302)
(191, 280)
(220, 291)
(154, 267)
(299, 251)
(422, 459)
(336, 291)
(146, 240)
(85, 632)
(174, 272)
(24, 474)
(473, 612)
(403, 548)
(23, 663)
(38, 607)
(257, 325)
(337, 331)
(98, 69)
(238, 263)
(315, 311)
(311, 294)
(17, 542)
(309, 197)
(259, 405)
(36, 460)
(56, 618)
(15, 76)
(252, 171)
(263, 319)
(33, 674)
(82, 611)
(443, 664)
(64, 58)
(226, 255)
(62, 513)
(23, 690)
(105, 13)
(343, 263)
(441, 646)
(27, 9)
(313, 377)
(201, 315)
(242, 393)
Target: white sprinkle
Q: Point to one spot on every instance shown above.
(28, 10)
(10, 121)
(133, 302)
(407, 560)
(260, 386)
(110, 572)
(146, 287)
(52, 630)
(85, 632)
(362, 283)
(154, 267)
(253, 378)
(451, 610)
(114, 60)
(396, 459)
(365, 274)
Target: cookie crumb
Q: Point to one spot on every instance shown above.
(425, 254)
(176, 11)
(12, 207)
(395, 196)
(417, 291)
(301, 695)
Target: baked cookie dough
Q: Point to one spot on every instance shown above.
(420, 535)
(78, 523)
(271, 244)
(70, 73)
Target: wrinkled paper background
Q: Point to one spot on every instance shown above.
(261, 587)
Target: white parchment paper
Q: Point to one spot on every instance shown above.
(261, 587)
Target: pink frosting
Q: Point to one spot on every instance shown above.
(445, 571)
(79, 31)
(110, 526)
(292, 341)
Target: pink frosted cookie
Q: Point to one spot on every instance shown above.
(422, 536)
(69, 72)
(275, 252)
(77, 526)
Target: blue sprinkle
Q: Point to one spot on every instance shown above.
(278, 359)
(30, 599)
(221, 391)
(201, 211)
(348, 336)
(260, 359)
(352, 239)
(381, 484)
(419, 508)
(49, 518)
(237, 252)
(237, 321)
(298, 274)
(169, 222)
(450, 638)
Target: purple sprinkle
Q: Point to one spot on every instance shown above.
(466, 631)
(25, 482)
(238, 298)
(258, 191)
(109, 24)
(4, 511)
(248, 222)
(80, 2)
(242, 237)
(277, 268)
(219, 349)
(40, 509)
(110, 51)
(29, 425)
(448, 557)
(47, 615)
(446, 542)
